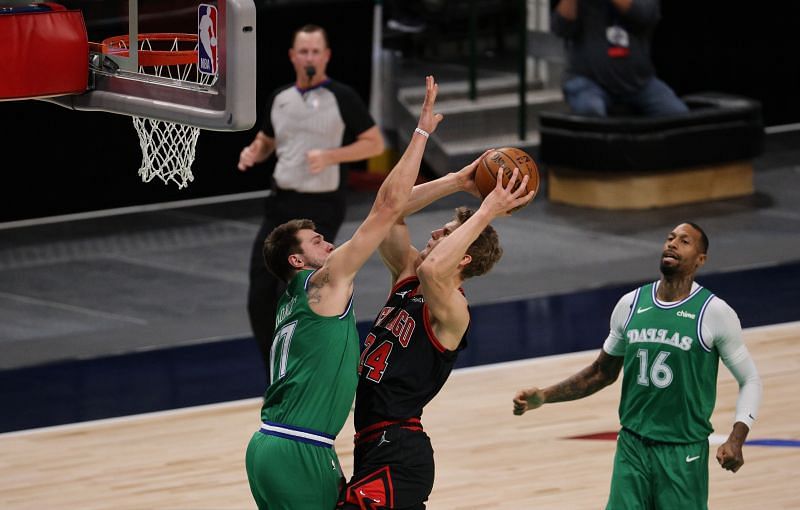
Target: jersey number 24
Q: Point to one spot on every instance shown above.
(375, 360)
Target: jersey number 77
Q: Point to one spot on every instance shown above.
(280, 345)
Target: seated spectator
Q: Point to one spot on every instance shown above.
(608, 58)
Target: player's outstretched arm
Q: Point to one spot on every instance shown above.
(396, 250)
(429, 192)
(602, 372)
(443, 261)
(447, 306)
(344, 262)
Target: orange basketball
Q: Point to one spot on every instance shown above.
(506, 159)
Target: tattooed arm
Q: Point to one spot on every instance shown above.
(602, 372)
(315, 286)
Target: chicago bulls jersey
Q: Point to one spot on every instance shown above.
(403, 365)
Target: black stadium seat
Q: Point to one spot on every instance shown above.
(718, 129)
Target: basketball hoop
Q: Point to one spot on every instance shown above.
(167, 147)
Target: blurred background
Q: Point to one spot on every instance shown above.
(697, 47)
(110, 286)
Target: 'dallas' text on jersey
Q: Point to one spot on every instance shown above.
(670, 375)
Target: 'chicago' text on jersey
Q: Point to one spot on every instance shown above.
(401, 324)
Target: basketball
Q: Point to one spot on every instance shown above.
(506, 159)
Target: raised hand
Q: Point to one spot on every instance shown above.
(428, 120)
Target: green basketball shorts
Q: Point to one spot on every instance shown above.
(650, 475)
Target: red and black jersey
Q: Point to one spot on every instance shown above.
(403, 365)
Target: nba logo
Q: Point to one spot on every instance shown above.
(207, 39)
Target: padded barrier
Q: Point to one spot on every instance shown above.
(718, 128)
(45, 52)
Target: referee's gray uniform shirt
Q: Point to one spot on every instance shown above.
(323, 117)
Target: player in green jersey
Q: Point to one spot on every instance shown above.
(290, 461)
(667, 337)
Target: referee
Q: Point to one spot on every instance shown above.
(314, 124)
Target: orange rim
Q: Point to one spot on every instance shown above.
(118, 45)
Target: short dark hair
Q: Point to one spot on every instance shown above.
(310, 29)
(485, 250)
(282, 242)
(703, 236)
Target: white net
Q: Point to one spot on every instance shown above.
(168, 148)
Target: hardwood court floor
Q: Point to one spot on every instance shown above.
(486, 457)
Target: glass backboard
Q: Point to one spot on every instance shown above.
(196, 63)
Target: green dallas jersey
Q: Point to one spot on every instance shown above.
(669, 384)
(314, 364)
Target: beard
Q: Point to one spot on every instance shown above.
(668, 270)
(315, 263)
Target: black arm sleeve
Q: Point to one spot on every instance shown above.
(354, 113)
(266, 123)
